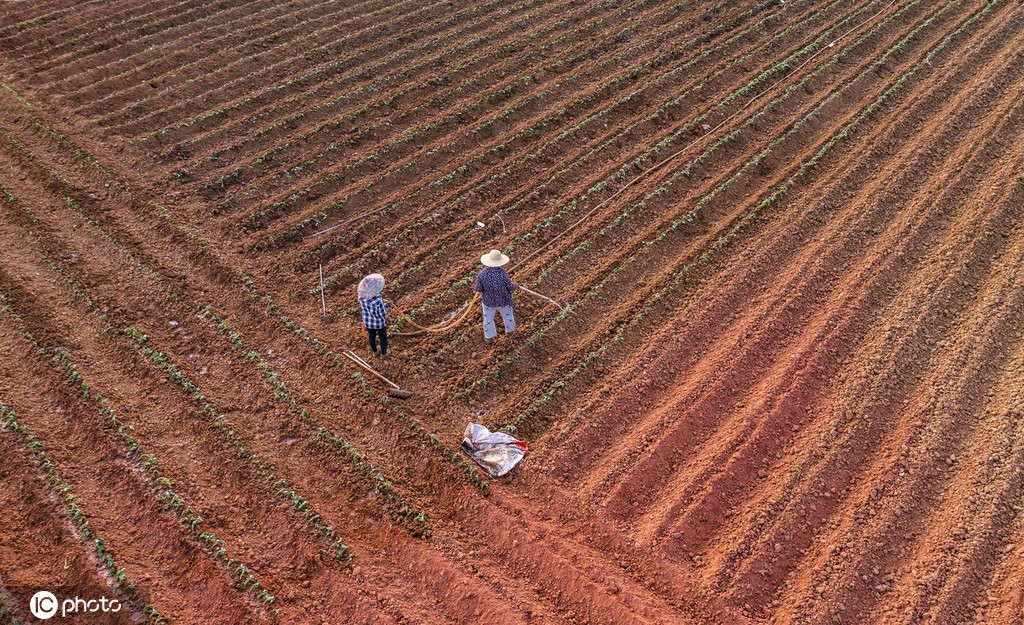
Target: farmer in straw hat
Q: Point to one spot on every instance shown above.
(495, 288)
(375, 312)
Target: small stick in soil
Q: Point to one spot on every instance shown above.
(323, 301)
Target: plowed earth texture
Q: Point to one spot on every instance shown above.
(786, 386)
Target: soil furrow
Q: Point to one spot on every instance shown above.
(501, 182)
(42, 548)
(969, 530)
(804, 283)
(357, 71)
(175, 72)
(97, 39)
(148, 545)
(359, 128)
(614, 286)
(269, 63)
(441, 114)
(974, 173)
(905, 434)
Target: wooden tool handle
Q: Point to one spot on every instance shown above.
(362, 363)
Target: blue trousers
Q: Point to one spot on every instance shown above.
(490, 331)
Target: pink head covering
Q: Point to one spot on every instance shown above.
(371, 286)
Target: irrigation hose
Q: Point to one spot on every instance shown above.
(346, 222)
(707, 134)
(448, 325)
(437, 328)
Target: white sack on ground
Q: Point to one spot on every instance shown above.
(496, 452)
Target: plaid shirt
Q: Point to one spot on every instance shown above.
(495, 287)
(375, 312)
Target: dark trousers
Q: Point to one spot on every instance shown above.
(383, 334)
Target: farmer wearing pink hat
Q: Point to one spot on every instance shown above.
(375, 312)
(495, 288)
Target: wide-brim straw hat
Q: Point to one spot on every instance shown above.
(371, 286)
(494, 258)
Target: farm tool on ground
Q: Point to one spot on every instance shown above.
(395, 390)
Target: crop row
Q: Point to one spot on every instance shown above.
(198, 127)
(405, 79)
(83, 80)
(635, 166)
(44, 18)
(145, 461)
(145, 112)
(506, 67)
(704, 201)
(530, 159)
(86, 27)
(262, 299)
(220, 423)
(63, 492)
(102, 37)
(731, 233)
(194, 59)
(329, 181)
(224, 427)
(401, 510)
(149, 466)
(326, 131)
(6, 615)
(62, 188)
(487, 31)
(687, 171)
(661, 146)
(534, 130)
(638, 163)
(594, 291)
(138, 12)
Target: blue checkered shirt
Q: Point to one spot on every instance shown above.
(375, 312)
(495, 287)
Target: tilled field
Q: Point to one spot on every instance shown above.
(786, 386)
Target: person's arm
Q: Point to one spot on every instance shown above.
(476, 284)
(512, 286)
(362, 311)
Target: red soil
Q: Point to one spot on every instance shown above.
(786, 388)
